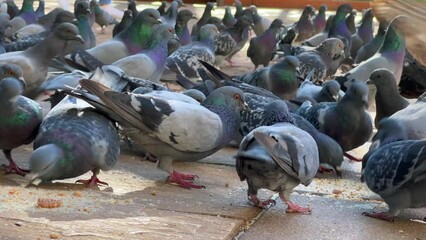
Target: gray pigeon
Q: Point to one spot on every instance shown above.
(346, 121)
(19, 120)
(35, 60)
(103, 18)
(124, 23)
(318, 38)
(366, 28)
(228, 19)
(406, 124)
(161, 9)
(74, 138)
(149, 64)
(184, 60)
(320, 59)
(278, 158)
(305, 27)
(339, 29)
(260, 24)
(350, 21)
(319, 21)
(261, 49)
(203, 20)
(282, 78)
(388, 99)
(370, 48)
(397, 172)
(181, 26)
(328, 92)
(174, 130)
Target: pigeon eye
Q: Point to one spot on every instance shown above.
(10, 72)
(236, 96)
(151, 15)
(170, 30)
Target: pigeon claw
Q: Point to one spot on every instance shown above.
(14, 169)
(261, 204)
(380, 215)
(294, 208)
(183, 180)
(352, 158)
(93, 181)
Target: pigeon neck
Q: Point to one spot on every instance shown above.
(27, 6)
(207, 14)
(339, 26)
(227, 112)
(387, 90)
(393, 42)
(366, 28)
(136, 37)
(158, 52)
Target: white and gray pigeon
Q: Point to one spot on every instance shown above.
(35, 60)
(173, 130)
(388, 99)
(328, 92)
(74, 138)
(184, 60)
(278, 158)
(149, 64)
(397, 172)
(346, 121)
(320, 59)
(19, 120)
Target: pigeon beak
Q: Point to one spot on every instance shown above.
(299, 74)
(159, 21)
(24, 84)
(88, 11)
(336, 97)
(369, 82)
(245, 106)
(79, 38)
(194, 17)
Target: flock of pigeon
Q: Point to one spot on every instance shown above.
(296, 115)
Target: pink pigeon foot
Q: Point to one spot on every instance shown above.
(352, 158)
(13, 168)
(183, 180)
(262, 204)
(294, 208)
(93, 181)
(230, 62)
(381, 215)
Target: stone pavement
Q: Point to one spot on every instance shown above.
(139, 205)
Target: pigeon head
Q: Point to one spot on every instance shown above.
(209, 6)
(64, 16)
(68, 32)
(163, 32)
(358, 93)
(180, 3)
(10, 88)
(195, 94)
(227, 96)
(13, 71)
(331, 89)
(330, 153)
(44, 159)
(333, 46)
(277, 24)
(244, 21)
(323, 8)
(308, 11)
(343, 10)
(208, 32)
(81, 8)
(184, 16)
(382, 77)
(148, 16)
(368, 14)
(128, 14)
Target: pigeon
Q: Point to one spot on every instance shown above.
(408, 25)
(74, 138)
(282, 78)
(278, 158)
(318, 38)
(19, 121)
(132, 7)
(40, 9)
(388, 99)
(397, 172)
(124, 23)
(150, 63)
(184, 61)
(228, 19)
(390, 56)
(346, 121)
(406, 124)
(269, 113)
(319, 20)
(130, 41)
(262, 47)
(35, 60)
(170, 16)
(238, 9)
(12, 9)
(320, 59)
(203, 20)
(174, 96)
(161, 9)
(81, 12)
(370, 48)
(304, 27)
(365, 29)
(412, 83)
(328, 92)
(48, 19)
(171, 130)
(350, 21)
(25, 16)
(102, 17)
(181, 27)
(260, 24)
(339, 29)
(232, 40)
